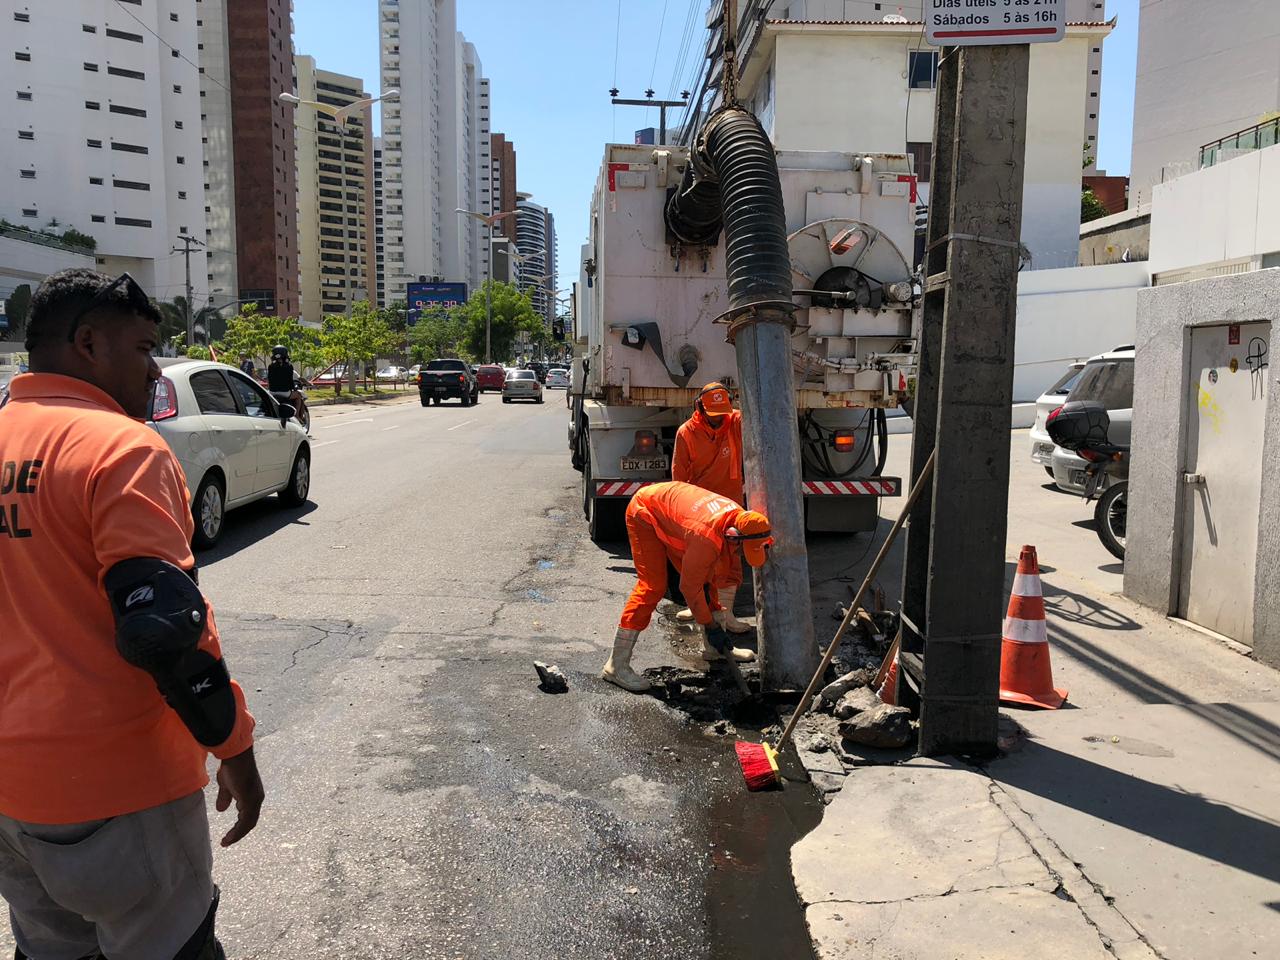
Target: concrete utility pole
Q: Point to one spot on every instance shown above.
(953, 581)
(186, 251)
(650, 102)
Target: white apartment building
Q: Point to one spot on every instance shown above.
(1077, 11)
(379, 254)
(335, 193)
(536, 243)
(219, 153)
(1205, 71)
(101, 131)
(881, 83)
(435, 145)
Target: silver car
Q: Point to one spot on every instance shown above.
(1108, 379)
(522, 385)
(234, 442)
(1049, 401)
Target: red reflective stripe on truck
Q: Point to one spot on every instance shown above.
(876, 487)
(620, 488)
(613, 174)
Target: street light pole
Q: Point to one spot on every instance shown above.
(488, 305)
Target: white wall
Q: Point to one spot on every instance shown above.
(1072, 314)
(1224, 212)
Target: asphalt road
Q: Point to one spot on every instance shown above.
(424, 798)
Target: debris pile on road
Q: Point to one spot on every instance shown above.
(551, 679)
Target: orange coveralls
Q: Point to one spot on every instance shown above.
(686, 524)
(711, 458)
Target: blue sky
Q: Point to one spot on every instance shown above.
(552, 62)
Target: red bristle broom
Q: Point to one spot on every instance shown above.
(759, 761)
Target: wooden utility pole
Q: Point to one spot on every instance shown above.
(953, 581)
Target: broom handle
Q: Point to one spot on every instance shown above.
(852, 612)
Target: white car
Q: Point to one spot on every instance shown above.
(1108, 379)
(1049, 401)
(391, 373)
(522, 385)
(232, 439)
(557, 379)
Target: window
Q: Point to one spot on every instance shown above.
(121, 72)
(131, 185)
(922, 69)
(27, 174)
(22, 17)
(95, 181)
(21, 55)
(255, 402)
(26, 134)
(177, 124)
(121, 35)
(177, 88)
(88, 28)
(182, 159)
(92, 105)
(127, 111)
(182, 194)
(173, 17)
(28, 212)
(128, 148)
(175, 53)
(24, 95)
(213, 395)
(96, 144)
(91, 67)
(922, 160)
(98, 218)
(131, 222)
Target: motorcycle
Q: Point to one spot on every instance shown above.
(298, 400)
(1081, 426)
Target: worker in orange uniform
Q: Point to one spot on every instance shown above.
(698, 531)
(113, 691)
(709, 455)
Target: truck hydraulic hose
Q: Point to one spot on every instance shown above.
(882, 423)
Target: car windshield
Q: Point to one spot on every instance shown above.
(521, 375)
(1109, 382)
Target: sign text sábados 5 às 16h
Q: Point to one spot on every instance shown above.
(971, 23)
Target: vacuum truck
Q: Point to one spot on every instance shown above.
(650, 306)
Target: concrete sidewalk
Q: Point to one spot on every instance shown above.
(1141, 820)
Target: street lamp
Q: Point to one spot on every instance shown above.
(339, 114)
(488, 219)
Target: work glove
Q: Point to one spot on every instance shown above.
(718, 638)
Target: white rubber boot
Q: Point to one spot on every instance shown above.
(710, 653)
(731, 623)
(617, 669)
(685, 615)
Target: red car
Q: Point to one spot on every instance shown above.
(490, 376)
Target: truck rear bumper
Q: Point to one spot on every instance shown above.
(870, 487)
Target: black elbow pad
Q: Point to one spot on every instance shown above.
(160, 616)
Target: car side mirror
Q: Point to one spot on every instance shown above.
(287, 412)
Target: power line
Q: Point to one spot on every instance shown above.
(164, 42)
(657, 47)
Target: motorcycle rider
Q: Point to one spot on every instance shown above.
(283, 382)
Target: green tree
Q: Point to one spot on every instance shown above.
(438, 333)
(513, 313)
(253, 334)
(17, 307)
(356, 339)
(173, 318)
(1091, 208)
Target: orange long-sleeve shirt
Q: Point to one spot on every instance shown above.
(691, 522)
(710, 457)
(84, 735)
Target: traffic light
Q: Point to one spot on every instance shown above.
(557, 330)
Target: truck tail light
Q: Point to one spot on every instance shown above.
(646, 441)
(844, 441)
(164, 401)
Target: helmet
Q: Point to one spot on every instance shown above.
(751, 530)
(280, 350)
(714, 400)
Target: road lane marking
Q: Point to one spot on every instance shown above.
(459, 426)
(396, 427)
(317, 446)
(347, 422)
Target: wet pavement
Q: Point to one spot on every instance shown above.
(425, 798)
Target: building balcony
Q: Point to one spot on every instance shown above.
(1258, 137)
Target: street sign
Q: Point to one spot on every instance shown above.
(973, 23)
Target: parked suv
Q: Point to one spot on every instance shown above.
(1106, 379)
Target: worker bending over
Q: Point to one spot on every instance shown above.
(709, 455)
(697, 530)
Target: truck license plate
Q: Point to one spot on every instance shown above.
(643, 463)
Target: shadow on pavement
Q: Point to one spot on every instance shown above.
(1185, 820)
(1235, 721)
(247, 525)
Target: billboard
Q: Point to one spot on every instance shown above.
(429, 296)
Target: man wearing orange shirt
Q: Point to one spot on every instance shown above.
(709, 455)
(696, 531)
(113, 690)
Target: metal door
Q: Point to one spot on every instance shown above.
(1222, 476)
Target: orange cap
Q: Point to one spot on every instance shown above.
(715, 400)
(751, 529)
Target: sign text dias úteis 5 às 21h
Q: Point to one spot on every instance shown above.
(971, 23)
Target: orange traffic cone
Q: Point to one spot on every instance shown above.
(1026, 676)
(888, 691)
